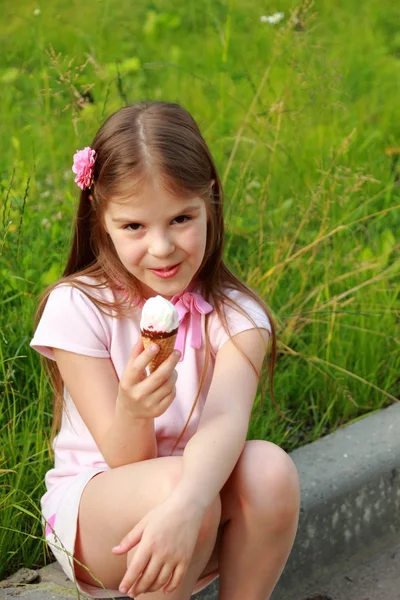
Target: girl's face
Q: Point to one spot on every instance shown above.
(159, 238)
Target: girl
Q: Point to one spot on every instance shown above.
(155, 489)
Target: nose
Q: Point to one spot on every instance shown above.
(161, 245)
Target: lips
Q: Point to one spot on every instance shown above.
(166, 272)
(165, 268)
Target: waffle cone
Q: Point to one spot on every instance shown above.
(166, 345)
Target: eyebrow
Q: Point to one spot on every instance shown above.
(185, 209)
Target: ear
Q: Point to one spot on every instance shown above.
(105, 226)
(212, 184)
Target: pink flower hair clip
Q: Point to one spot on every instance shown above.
(83, 167)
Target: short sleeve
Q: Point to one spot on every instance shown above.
(71, 321)
(237, 321)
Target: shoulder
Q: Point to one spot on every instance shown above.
(79, 298)
(85, 286)
(79, 292)
(238, 312)
(240, 306)
(71, 320)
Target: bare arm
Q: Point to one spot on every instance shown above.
(93, 386)
(212, 453)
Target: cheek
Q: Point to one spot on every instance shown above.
(129, 251)
(195, 240)
(196, 246)
(134, 252)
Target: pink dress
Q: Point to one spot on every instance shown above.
(71, 321)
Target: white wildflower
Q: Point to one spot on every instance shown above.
(45, 194)
(46, 223)
(273, 19)
(36, 12)
(254, 184)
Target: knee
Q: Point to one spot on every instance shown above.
(280, 481)
(272, 486)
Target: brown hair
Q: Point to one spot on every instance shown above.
(135, 143)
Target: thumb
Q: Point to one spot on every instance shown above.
(135, 370)
(130, 540)
(137, 348)
(136, 351)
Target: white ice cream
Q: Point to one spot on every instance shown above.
(159, 314)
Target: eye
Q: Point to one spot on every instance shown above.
(182, 219)
(133, 226)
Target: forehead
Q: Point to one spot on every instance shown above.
(151, 195)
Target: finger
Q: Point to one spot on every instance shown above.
(176, 579)
(136, 350)
(138, 347)
(158, 409)
(147, 578)
(164, 373)
(137, 364)
(163, 577)
(164, 370)
(171, 361)
(134, 571)
(130, 540)
(154, 397)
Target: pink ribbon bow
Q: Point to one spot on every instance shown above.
(190, 307)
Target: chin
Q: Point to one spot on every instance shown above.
(166, 289)
(170, 289)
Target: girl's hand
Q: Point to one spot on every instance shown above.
(147, 397)
(167, 536)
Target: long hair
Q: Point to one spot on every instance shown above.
(134, 144)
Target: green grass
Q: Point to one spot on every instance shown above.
(303, 121)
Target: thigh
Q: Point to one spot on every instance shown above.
(111, 504)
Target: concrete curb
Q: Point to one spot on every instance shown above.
(350, 500)
(350, 485)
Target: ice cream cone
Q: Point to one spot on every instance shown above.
(159, 324)
(165, 342)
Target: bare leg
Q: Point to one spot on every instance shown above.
(141, 486)
(262, 497)
(199, 561)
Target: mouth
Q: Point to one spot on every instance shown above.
(166, 272)
(166, 268)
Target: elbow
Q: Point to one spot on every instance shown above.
(120, 460)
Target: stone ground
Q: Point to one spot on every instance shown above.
(378, 578)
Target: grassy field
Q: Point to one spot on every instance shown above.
(303, 120)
